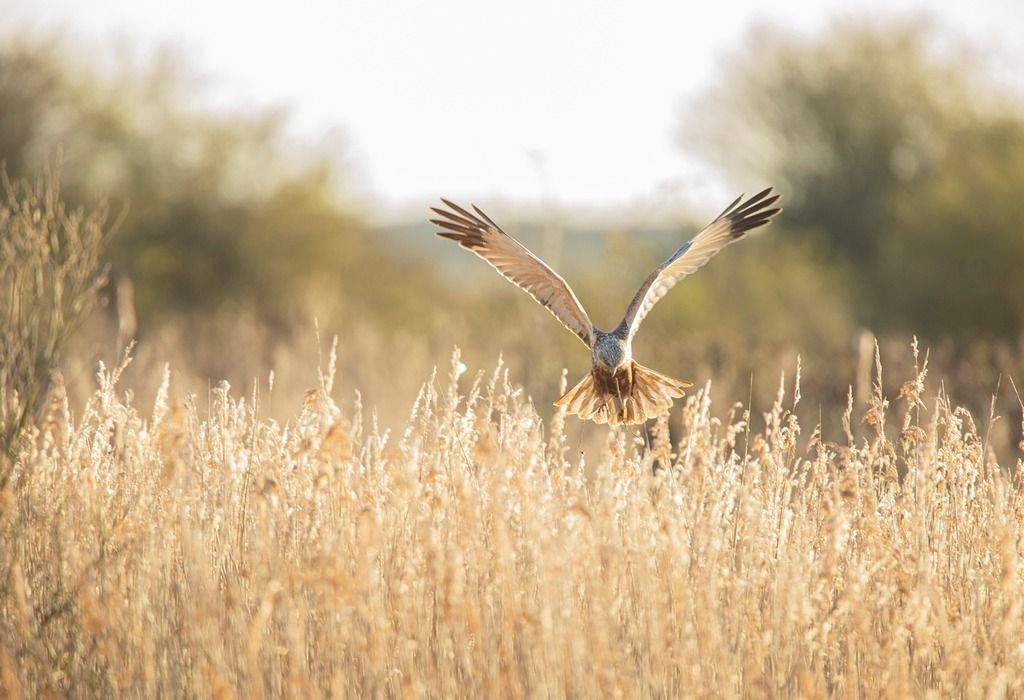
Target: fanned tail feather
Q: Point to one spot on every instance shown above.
(636, 396)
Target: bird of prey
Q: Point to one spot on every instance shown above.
(618, 390)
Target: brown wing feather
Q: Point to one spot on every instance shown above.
(480, 235)
(729, 226)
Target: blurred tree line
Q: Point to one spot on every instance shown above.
(901, 167)
(218, 216)
(900, 162)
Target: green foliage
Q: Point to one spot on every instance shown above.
(220, 216)
(892, 153)
(956, 242)
(769, 288)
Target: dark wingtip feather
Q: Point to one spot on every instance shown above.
(762, 203)
(439, 222)
(753, 213)
(486, 218)
(460, 210)
(728, 209)
(458, 226)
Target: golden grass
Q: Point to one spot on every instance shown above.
(204, 551)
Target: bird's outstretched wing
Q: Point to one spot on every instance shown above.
(731, 225)
(477, 233)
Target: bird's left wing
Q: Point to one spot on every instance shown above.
(731, 225)
(478, 234)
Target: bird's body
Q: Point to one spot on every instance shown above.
(617, 389)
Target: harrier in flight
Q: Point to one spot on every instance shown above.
(618, 390)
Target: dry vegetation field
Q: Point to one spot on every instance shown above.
(204, 546)
(197, 549)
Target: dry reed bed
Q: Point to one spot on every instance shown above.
(203, 552)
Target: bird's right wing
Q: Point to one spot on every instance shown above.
(478, 234)
(731, 225)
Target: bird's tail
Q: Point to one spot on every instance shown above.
(632, 396)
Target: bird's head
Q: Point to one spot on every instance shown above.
(610, 352)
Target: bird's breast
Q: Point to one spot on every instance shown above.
(611, 351)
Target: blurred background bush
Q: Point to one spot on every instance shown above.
(902, 171)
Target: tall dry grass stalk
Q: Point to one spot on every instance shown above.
(50, 277)
(191, 550)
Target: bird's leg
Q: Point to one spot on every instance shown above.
(647, 443)
(621, 407)
(579, 442)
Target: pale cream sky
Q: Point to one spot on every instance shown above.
(574, 102)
